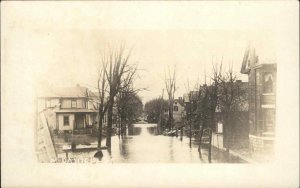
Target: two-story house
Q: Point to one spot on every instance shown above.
(261, 71)
(69, 106)
(178, 112)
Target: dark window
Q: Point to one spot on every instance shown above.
(268, 82)
(74, 104)
(175, 108)
(66, 120)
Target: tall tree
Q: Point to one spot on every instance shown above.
(100, 101)
(205, 101)
(129, 107)
(119, 74)
(103, 105)
(232, 101)
(170, 84)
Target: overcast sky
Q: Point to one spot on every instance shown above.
(64, 42)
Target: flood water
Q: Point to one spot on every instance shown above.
(142, 145)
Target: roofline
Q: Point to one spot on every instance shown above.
(70, 111)
(60, 97)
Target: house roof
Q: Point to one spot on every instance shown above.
(63, 92)
(258, 53)
(179, 101)
(75, 111)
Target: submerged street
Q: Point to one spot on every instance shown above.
(143, 146)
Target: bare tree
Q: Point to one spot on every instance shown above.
(206, 104)
(224, 94)
(231, 101)
(170, 84)
(100, 101)
(119, 74)
(102, 87)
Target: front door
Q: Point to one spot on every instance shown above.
(79, 121)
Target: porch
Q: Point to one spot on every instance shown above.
(75, 121)
(82, 123)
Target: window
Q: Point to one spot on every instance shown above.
(66, 121)
(74, 104)
(219, 127)
(268, 82)
(80, 103)
(175, 108)
(66, 103)
(48, 103)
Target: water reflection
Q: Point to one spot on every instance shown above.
(142, 145)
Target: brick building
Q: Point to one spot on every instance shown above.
(261, 73)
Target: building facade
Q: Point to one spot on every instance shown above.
(262, 99)
(178, 112)
(67, 109)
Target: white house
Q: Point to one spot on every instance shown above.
(69, 106)
(178, 110)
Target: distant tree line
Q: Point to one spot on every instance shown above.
(154, 110)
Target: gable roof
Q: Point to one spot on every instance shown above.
(179, 101)
(63, 92)
(256, 54)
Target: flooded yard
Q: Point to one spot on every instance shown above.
(144, 146)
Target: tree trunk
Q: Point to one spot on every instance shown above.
(123, 125)
(109, 123)
(119, 127)
(100, 129)
(190, 133)
(226, 135)
(170, 119)
(201, 134)
(209, 146)
(181, 133)
(125, 129)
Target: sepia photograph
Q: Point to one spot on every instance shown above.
(150, 94)
(208, 104)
